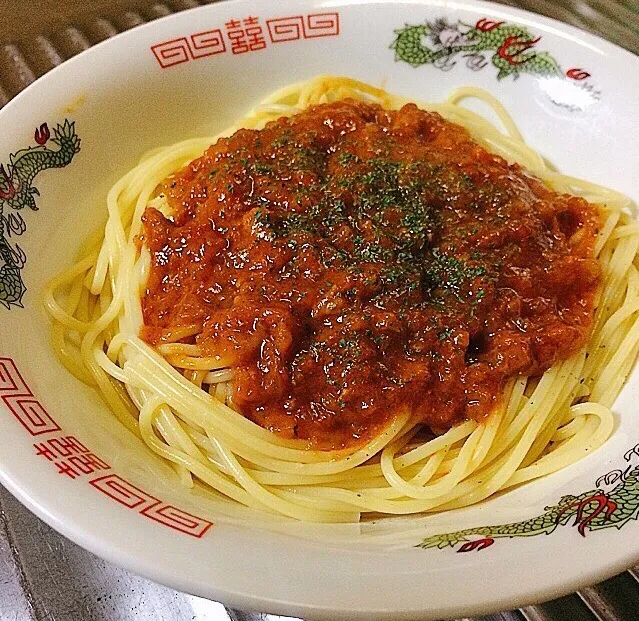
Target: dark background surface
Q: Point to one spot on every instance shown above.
(45, 577)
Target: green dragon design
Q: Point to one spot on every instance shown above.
(592, 510)
(17, 192)
(509, 47)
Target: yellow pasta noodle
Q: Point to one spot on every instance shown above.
(180, 402)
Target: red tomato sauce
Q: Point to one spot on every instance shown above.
(350, 261)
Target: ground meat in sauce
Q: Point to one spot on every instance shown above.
(350, 261)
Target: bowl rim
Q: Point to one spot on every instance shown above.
(561, 28)
(97, 544)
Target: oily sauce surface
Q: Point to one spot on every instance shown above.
(350, 261)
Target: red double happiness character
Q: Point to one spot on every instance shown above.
(245, 36)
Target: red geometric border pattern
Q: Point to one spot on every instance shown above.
(77, 460)
(207, 43)
(283, 29)
(173, 52)
(20, 400)
(245, 35)
(120, 490)
(177, 519)
(321, 25)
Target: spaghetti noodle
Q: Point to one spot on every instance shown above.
(178, 399)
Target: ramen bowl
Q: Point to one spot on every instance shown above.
(71, 135)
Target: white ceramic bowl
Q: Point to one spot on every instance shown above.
(64, 456)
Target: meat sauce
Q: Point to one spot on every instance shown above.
(350, 262)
